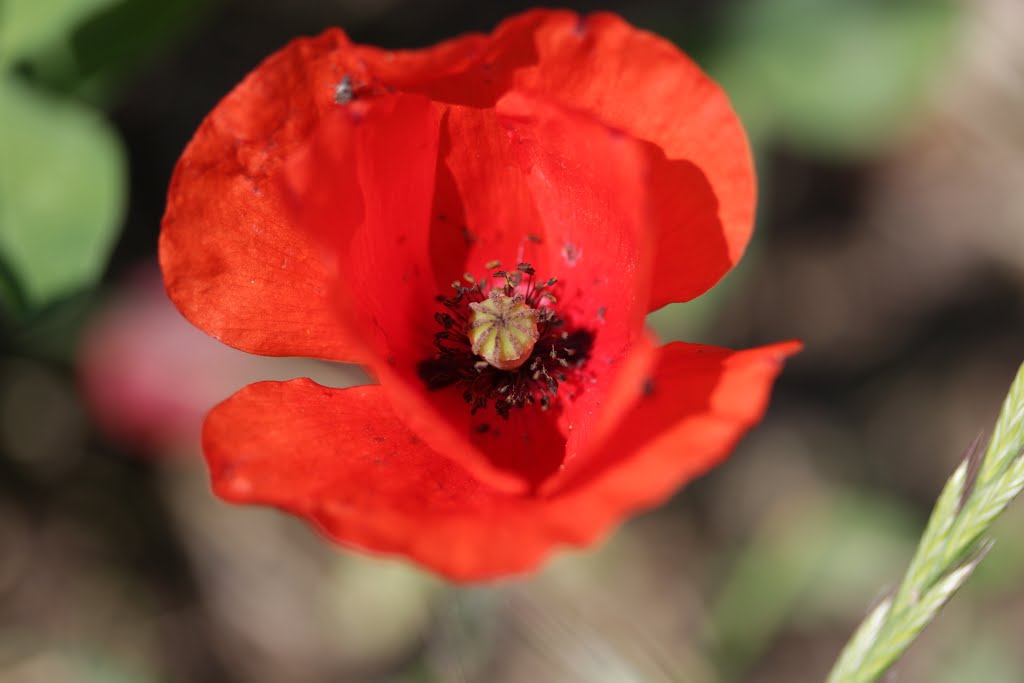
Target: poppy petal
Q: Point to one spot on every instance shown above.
(588, 183)
(530, 155)
(632, 79)
(345, 462)
(363, 188)
(342, 459)
(233, 261)
(702, 176)
(371, 219)
(483, 211)
(687, 415)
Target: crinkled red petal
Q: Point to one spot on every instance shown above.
(342, 459)
(234, 263)
(702, 178)
(220, 212)
(580, 184)
(704, 189)
(588, 183)
(364, 188)
(584, 187)
(676, 421)
(483, 209)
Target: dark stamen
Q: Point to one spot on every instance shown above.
(534, 382)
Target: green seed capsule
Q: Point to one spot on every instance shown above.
(502, 330)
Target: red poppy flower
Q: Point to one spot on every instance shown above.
(570, 175)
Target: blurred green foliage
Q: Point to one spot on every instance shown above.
(63, 182)
(984, 654)
(63, 171)
(96, 59)
(27, 26)
(63, 167)
(814, 558)
(832, 77)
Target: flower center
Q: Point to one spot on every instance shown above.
(525, 347)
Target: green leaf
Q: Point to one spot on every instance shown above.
(29, 25)
(63, 183)
(833, 77)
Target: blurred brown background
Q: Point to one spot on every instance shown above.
(890, 142)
